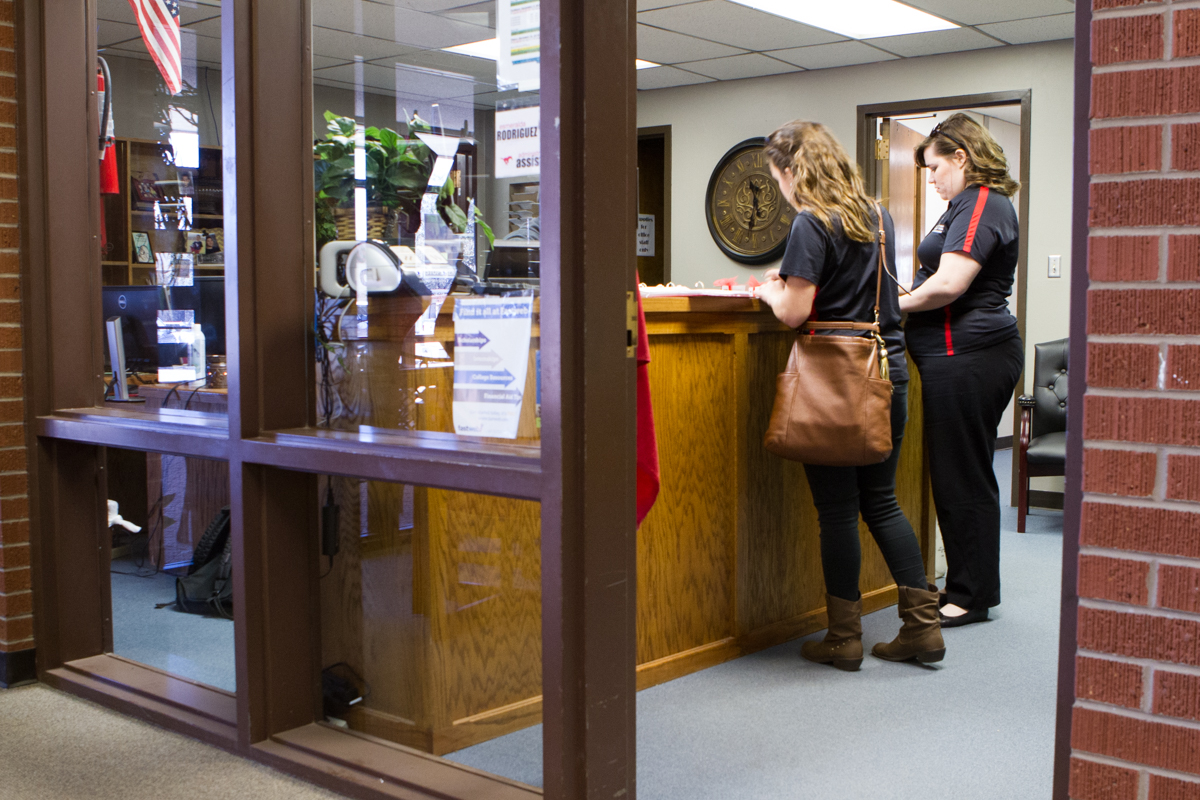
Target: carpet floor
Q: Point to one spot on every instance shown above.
(772, 725)
(768, 725)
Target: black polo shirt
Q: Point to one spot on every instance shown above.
(843, 271)
(982, 223)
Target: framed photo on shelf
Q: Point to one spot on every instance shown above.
(142, 253)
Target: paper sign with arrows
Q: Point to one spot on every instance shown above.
(491, 360)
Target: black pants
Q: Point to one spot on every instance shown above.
(840, 493)
(964, 398)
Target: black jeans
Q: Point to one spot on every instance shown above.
(840, 493)
(964, 398)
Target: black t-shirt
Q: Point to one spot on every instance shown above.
(983, 224)
(844, 271)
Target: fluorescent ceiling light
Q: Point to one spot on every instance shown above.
(488, 48)
(858, 19)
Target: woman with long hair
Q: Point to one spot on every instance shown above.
(829, 273)
(965, 343)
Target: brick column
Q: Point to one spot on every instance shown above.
(16, 600)
(1136, 722)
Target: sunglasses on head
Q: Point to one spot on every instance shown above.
(937, 131)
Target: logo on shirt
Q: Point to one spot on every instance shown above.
(939, 228)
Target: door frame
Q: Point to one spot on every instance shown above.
(867, 114)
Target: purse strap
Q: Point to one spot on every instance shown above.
(862, 326)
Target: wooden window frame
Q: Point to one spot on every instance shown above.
(584, 478)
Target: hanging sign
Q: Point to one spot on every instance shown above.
(518, 28)
(491, 358)
(518, 142)
(645, 235)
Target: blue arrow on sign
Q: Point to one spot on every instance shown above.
(470, 340)
(484, 377)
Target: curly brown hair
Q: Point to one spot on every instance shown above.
(827, 183)
(986, 164)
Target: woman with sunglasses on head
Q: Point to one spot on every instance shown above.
(965, 344)
(830, 272)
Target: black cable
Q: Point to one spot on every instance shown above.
(193, 394)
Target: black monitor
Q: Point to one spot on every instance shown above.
(206, 296)
(137, 306)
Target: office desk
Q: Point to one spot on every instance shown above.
(442, 613)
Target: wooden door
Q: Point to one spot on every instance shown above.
(902, 195)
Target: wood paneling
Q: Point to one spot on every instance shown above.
(435, 596)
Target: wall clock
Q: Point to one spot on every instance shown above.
(748, 217)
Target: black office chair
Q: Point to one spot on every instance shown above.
(1043, 445)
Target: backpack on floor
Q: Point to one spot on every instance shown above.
(208, 586)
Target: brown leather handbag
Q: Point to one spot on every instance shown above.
(833, 403)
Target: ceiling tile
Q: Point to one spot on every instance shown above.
(418, 83)
(837, 54)
(731, 68)
(399, 24)
(345, 46)
(664, 77)
(736, 25)
(1038, 29)
(666, 47)
(927, 44)
(647, 5)
(109, 33)
(975, 12)
(121, 11)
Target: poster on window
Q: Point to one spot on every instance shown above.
(491, 359)
(518, 28)
(518, 142)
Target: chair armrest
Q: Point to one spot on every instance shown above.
(1026, 404)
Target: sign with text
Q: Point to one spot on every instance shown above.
(518, 142)
(491, 359)
(645, 235)
(519, 31)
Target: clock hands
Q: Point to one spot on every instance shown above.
(753, 204)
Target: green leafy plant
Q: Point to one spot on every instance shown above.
(333, 172)
(398, 171)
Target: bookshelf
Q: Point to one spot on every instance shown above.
(177, 209)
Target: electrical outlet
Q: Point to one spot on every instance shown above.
(1055, 266)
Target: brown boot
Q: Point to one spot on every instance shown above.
(921, 634)
(842, 646)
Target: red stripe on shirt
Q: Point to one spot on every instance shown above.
(975, 215)
(949, 338)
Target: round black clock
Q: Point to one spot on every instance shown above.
(748, 217)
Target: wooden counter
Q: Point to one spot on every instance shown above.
(441, 612)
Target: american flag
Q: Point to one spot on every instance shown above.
(158, 21)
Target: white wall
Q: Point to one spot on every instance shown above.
(708, 119)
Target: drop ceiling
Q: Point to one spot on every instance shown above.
(695, 41)
(699, 41)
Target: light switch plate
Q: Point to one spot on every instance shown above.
(1055, 266)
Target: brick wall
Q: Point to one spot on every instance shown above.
(1136, 725)
(16, 601)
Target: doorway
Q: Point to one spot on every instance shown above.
(887, 135)
(654, 205)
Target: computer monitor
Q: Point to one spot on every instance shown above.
(137, 306)
(206, 296)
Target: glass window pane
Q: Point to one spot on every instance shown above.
(162, 203)
(172, 593)
(431, 618)
(426, 158)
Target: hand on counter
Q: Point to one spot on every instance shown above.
(791, 298)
